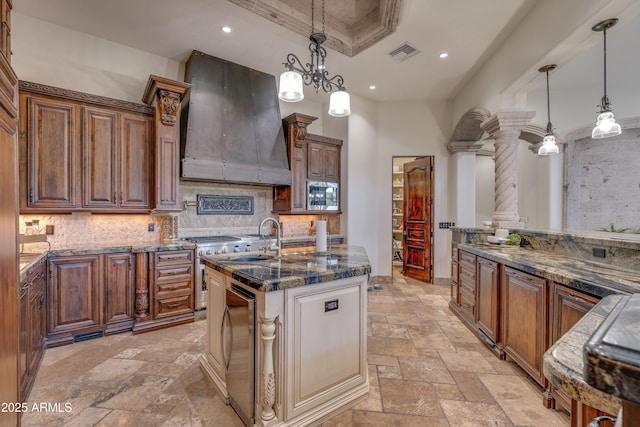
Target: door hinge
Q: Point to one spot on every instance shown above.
(50, 271)
(30, 195)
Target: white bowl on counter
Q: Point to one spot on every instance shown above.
(496, 240)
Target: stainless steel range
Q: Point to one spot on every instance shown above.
(219, 245)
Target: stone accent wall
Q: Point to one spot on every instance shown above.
(602, 183)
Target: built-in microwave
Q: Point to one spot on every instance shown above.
(322, 196)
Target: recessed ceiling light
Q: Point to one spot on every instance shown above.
(226, 29)
(444, 55)
(372, 87)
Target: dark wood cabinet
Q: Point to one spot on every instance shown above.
(311, 158)
(173, 278)
(116, 161)
(49, 154)
(80, 152)
(164, 289)
(525, 332)
(118, 292)
(9, 290)
(74, 303)
(569, 306)
(100, 158)
(467, 274)
(487, 302)
(165, 95)
(32, 326)
(323, 161)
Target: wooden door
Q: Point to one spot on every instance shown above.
(74, 299)
(569, 306)
(135, 162)
(118, 285)
(487, 298)
(52, 153)
(100, 158)
(417, 219)
(524, 320)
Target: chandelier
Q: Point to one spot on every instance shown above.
(314, 73)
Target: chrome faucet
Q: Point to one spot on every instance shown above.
(278, 247)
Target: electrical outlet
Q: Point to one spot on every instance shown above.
(151, 227)
(599, 252)
(49, 229)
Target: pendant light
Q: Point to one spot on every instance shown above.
(606, 125)
(549, 145)
(314, 73)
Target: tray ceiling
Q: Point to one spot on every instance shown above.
(351, 26)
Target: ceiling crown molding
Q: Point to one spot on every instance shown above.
(351, 25)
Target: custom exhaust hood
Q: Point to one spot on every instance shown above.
(231, 128)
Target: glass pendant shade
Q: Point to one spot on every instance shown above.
(606, 126)
(290, 87)
(548, 146)
(339, 104)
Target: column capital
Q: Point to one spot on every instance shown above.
(507, 121)
(464, 146)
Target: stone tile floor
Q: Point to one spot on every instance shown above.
(425, 369)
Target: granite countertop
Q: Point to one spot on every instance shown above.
(564, 364)
(612, 354)
(588, 276)
(294, 269)
(29, 259)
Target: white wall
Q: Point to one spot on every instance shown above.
(406, 129)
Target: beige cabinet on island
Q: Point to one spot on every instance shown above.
(286, 337)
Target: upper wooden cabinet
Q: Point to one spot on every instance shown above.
(166, 95)
(323, 159)
(311, 158)
(49, 153)
(115, 161)
(85, 152)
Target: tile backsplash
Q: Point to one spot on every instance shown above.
(84, 227)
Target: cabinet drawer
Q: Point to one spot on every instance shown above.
(467, 302)
(172, 286)
(454, 253)
(467, 258)
(173, 257)
(177, 304)
(174, 273)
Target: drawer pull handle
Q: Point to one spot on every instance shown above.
(174, 305)
(578, 299)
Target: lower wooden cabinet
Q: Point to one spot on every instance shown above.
(525, 307)
(467, 282)
(487, 291)
(32, 326)
(164, 289)
(89, 295)
(118, 293)
(74, 304)
(569, 306)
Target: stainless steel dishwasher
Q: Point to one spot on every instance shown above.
(238, 326)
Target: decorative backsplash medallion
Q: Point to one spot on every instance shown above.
(224, 205)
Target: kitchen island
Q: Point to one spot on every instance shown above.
(309, 349)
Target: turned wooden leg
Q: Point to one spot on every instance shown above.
(142, 287)
(268, 380)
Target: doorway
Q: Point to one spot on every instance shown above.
(412, 220)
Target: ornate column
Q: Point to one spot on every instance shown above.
(505, 128)
(268, 380)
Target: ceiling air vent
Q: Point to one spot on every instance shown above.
(403, 52)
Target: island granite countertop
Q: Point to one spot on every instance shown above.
(293, 269)
(595, 278)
